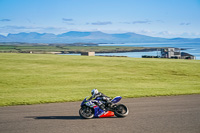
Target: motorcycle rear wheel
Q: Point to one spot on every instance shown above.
(121, 110)
(86, 112)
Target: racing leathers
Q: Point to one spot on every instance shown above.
(105, 101)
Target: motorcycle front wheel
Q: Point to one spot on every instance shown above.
(86, 112)
(121, 110)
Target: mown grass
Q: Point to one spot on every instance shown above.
(43, 78)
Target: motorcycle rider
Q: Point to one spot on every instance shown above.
(100, 96)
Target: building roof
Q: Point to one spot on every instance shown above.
(185, 54)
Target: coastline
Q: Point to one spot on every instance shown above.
(136, 49)
(71, 49)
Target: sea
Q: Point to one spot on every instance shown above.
(191, 48)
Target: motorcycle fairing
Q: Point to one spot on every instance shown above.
(108, 114)
(97, 111)
(100, 113)
(116, 99)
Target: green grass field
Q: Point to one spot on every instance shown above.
(44, 78)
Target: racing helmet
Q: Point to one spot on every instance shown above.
(94, 92)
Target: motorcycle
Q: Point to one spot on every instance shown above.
(90, 109)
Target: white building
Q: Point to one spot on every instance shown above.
(88, 53)
(175, 53)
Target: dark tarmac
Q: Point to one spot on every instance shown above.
(166, 114)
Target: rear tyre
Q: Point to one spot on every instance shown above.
(86, 112)
(121, 110)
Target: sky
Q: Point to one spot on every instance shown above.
(158, 18)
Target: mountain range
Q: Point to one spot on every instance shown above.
(88, 37)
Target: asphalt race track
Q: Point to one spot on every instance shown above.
(167, 114)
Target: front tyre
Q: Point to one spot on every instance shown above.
(121, 110)
(86, 112)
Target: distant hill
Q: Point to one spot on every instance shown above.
(88, 37)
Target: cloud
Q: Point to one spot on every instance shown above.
(185, 23)
(69, 23)
(166, 33)
(126, 22)
(67, 19)
(141, 22)
(190, 34)
(169, 34)
(160, 21)
(100, 23)
(5, 20)
(138, 22)
(17, 29)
